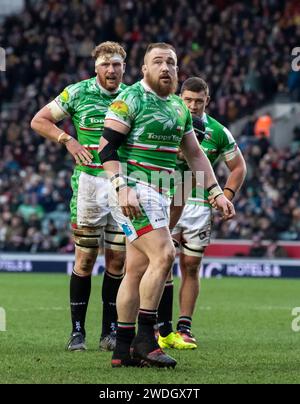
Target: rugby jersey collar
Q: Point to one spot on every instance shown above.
(103, 90)
(149, 90)
(204, 117)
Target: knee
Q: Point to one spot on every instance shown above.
(84, 264)
(191, 267)
(115, 262)
(134, 277)
(165, 258)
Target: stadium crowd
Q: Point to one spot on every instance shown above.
(241, 48)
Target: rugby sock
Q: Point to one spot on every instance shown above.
(125, 335)
(80, 289)
(184, 323)
(165, 310)
(147, 319)
(110, 289)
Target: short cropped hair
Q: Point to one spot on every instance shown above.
(160, 45)
(110, 48)
(194, 84)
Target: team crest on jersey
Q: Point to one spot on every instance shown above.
(119, 108)
(64, 96)
(208, 135)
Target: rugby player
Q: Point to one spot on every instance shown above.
(144, 128)
(86, 102)
(192, 231)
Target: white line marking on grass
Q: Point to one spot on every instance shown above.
(55, 308)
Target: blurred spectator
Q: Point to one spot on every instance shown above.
(30, 207)
(257, 249)
(297, 133)
(275, 251)
(269, 202)
(263, 125)
(248, 129)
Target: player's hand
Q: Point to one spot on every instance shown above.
(212, 201)
(80, 154)
(224, 206)
(129, 203)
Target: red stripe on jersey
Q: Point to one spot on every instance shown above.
(146, 148)
(144, 230)
(92, 166)
(90, 129)
(150, 167)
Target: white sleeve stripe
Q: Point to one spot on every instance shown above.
(108, 117)
(62, 108)
(56, 112)
(230, 154)
(233, 149)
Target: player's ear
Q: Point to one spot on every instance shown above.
(144, 69)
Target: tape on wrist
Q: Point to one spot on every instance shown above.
(63, 138)
(118, 182)
(230, 190)
(214, 191)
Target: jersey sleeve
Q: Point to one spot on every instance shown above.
(228, 145)
(189, 123)
(124, 108)
(68, 99)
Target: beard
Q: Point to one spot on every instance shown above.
(109, 85)
(162, 89)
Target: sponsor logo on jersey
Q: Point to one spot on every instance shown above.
(64, 96)
(164, 138)
(95, 120)
(126, 229)
(119, 108)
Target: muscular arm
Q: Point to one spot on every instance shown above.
(44, 123)
(127, 198)
(198, 162)
(238, 171)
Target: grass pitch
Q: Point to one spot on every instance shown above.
(243, 327)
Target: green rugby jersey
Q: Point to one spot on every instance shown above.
(157, 126)
(218, 143)
(86, 102)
